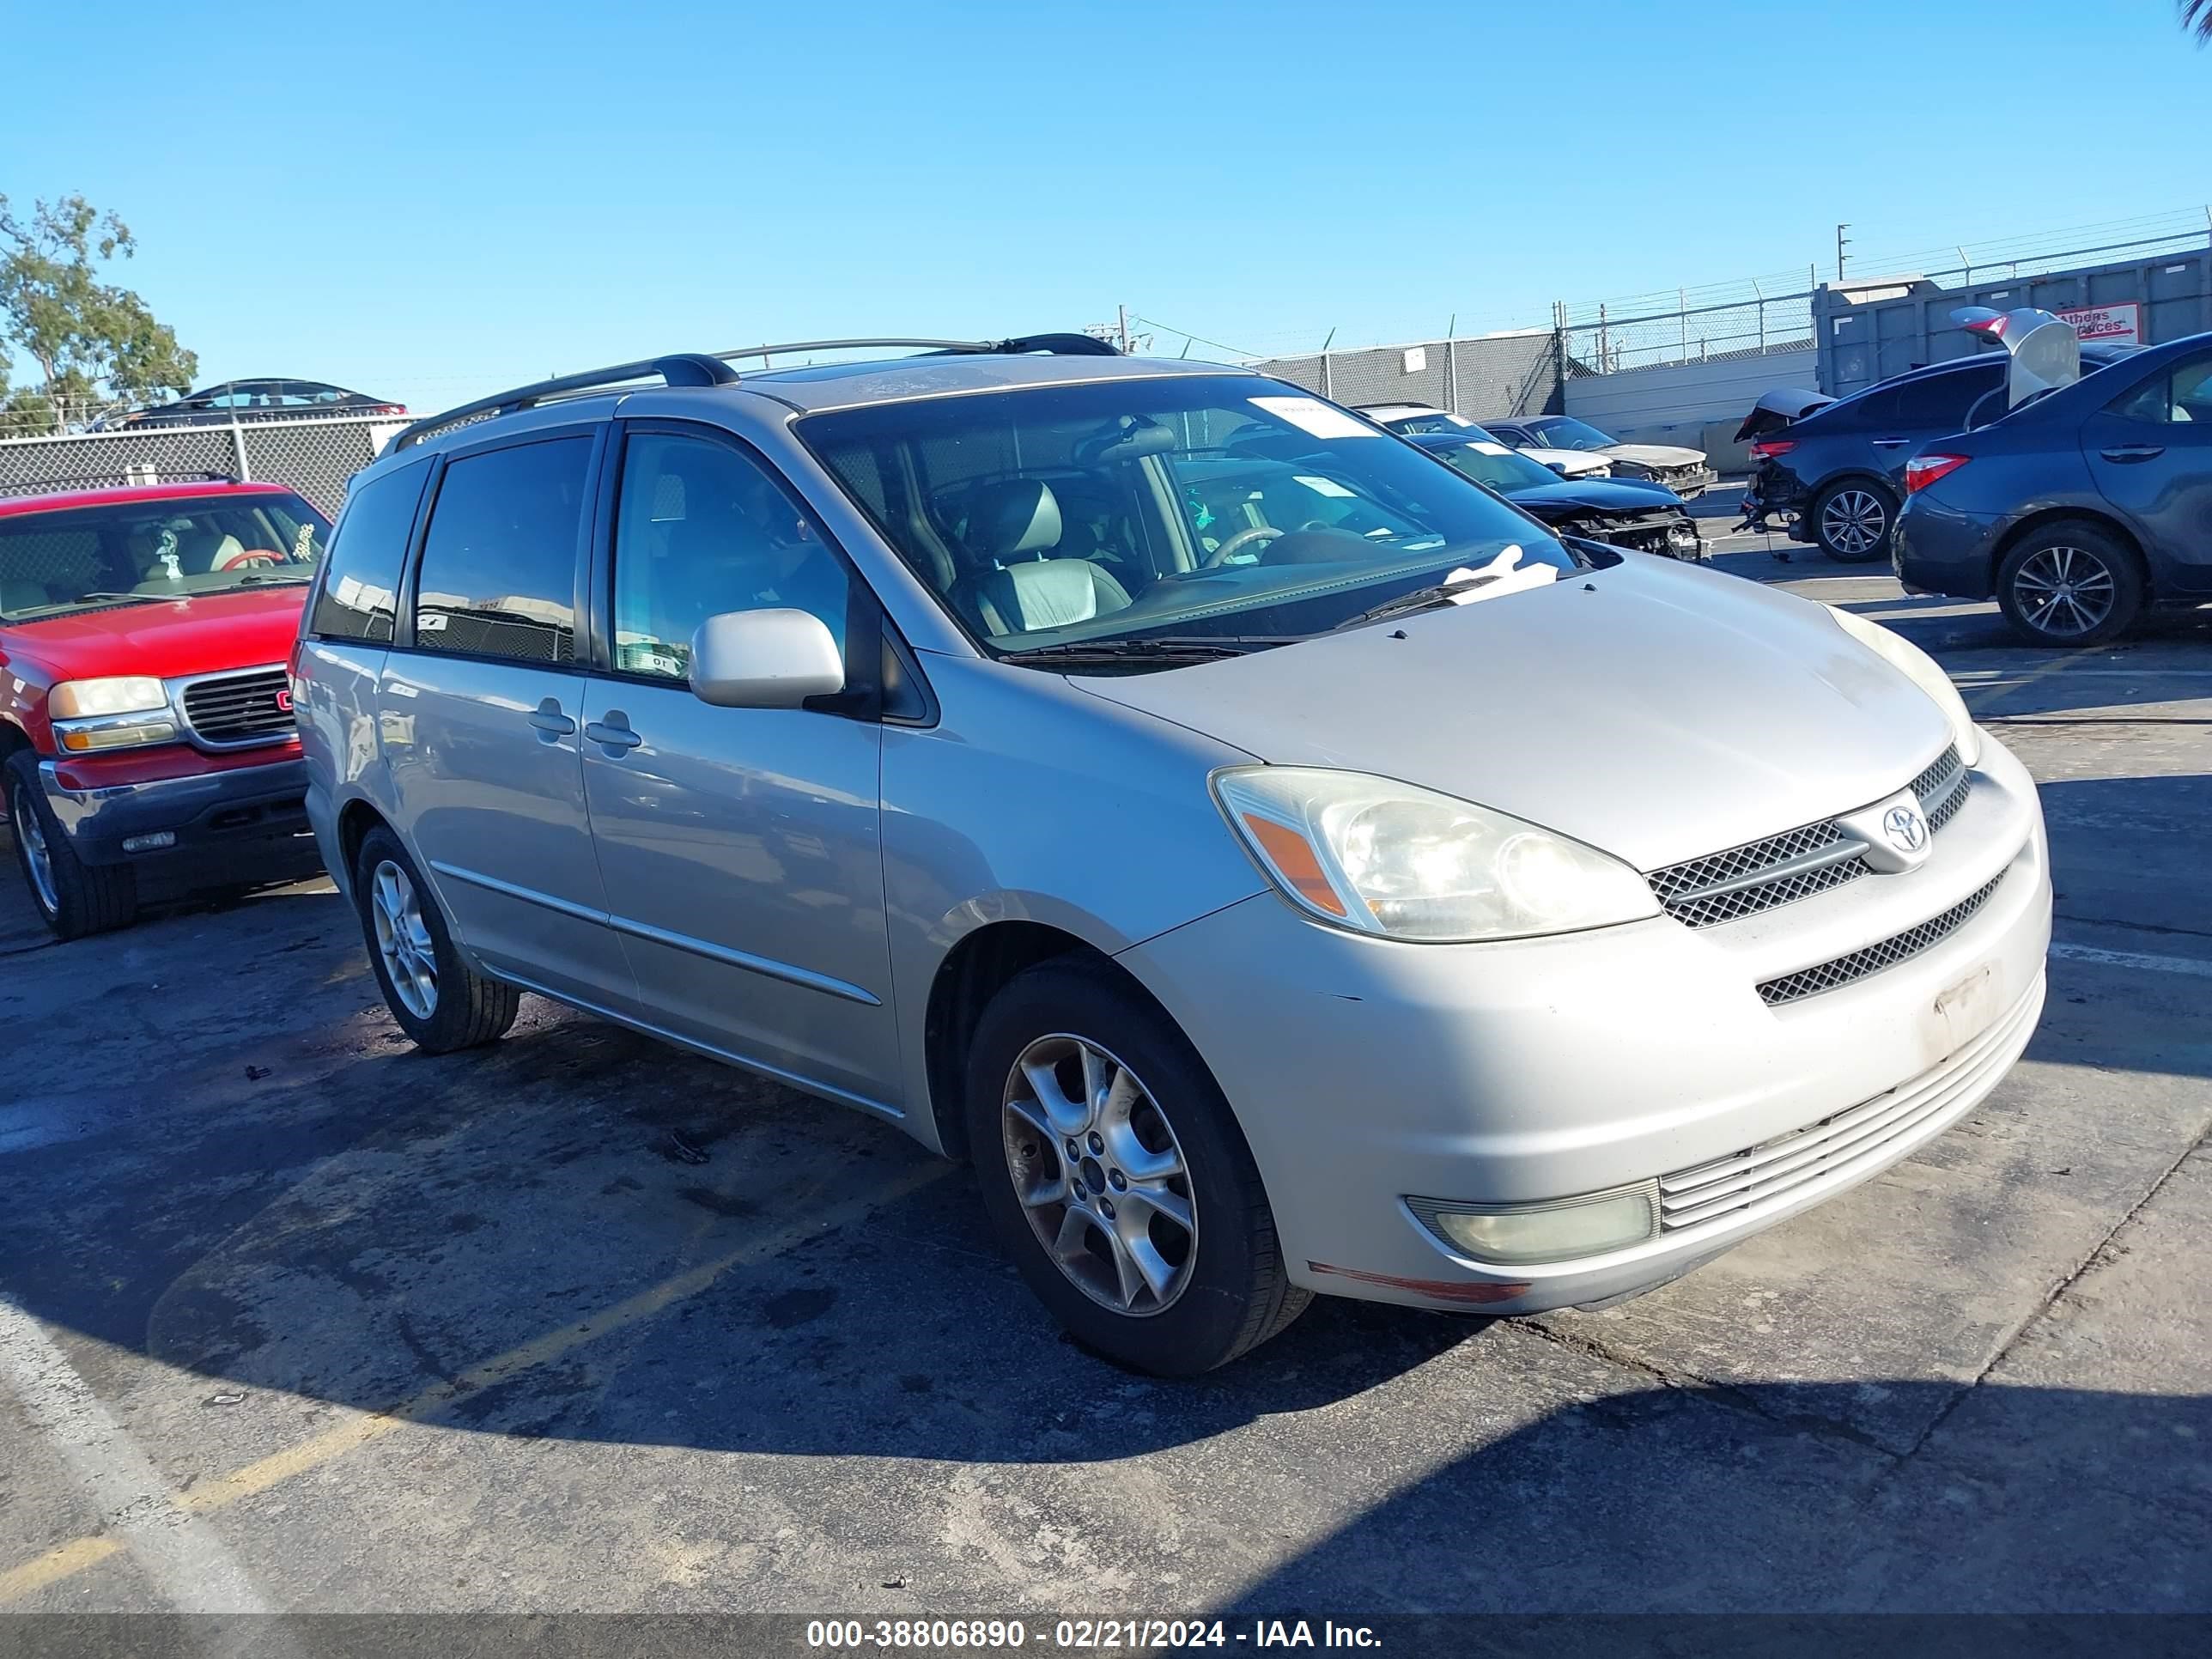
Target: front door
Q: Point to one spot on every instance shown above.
(479, 714)
(740, 848)
(2150, 452)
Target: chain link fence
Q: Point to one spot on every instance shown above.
(315, 456)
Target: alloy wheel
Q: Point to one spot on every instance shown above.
(1854, 521)
(1100, 1175)
(2064, 592)
(31, 835)
(403, 939)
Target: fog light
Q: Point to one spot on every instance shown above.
(153, 843)
(1544, 1232)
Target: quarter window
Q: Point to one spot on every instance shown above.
(499, 560)
(2182, 395)
(360, 597)
(701, 529)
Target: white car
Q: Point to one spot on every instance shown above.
(1688, 472)
(1410, 420)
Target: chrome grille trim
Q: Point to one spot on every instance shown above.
(1774, 1169)
(237, 709)
(1845, 970)
(1743, 881)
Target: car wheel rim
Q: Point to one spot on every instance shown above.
(1099, 1173)
(403, 939)
(2065, 591)
(31, 836)
(1853, 521)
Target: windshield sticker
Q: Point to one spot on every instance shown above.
(1503, 574)
(1481, 448)
(1311, 415)
(1323, 486)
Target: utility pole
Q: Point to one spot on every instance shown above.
(1842, 242)
(1124, 315)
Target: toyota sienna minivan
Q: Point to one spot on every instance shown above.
(1278, 864)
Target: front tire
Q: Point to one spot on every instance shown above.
(1114, 1175)
(1852, 521)
(2070, 584)
(438, 1000)
(73, 899)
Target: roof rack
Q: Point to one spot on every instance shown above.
(712, 368)
(112, 481)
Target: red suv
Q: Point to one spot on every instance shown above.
(145, 710)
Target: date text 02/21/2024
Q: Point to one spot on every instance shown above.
(987, 1635)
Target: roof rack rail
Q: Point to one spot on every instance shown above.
(112, 481)
(712, 368)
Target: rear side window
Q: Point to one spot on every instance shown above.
(360, 596)
(499, 560)
(2180, 396)
(1942, 400)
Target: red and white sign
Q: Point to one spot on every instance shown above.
(2113, 324)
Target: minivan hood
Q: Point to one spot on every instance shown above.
(1653, 709)
(245, 627)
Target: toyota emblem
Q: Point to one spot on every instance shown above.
(1906, 830)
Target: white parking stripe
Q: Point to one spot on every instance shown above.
(2200, 966)
(188, 1563)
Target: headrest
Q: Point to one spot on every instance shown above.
(1019, 515)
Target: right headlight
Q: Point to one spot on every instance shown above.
(1378, 856)
(1923, 670)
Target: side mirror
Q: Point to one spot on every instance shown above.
(764, 659)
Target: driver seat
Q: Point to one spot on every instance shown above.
(1021, 516)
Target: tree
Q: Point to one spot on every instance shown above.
(94, 342)
(2198, 15)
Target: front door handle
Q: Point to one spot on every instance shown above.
(613, 733)
(550, 722)
(2126, 452)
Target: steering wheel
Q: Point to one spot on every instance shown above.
(1242, 538)
(256, 556)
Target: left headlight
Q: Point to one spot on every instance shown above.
(1378, 856)
(127, 712)
(1922, 670)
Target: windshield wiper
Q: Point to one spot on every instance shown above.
(272, 581)
(1187, 649)
(1421, 598)
(97, 598)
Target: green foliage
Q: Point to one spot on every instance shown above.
(94, 342)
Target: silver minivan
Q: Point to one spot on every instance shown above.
(1279, 865)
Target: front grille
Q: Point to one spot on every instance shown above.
(1843, 970)
(1704, 892)
(233, 710)
(1707, 1192)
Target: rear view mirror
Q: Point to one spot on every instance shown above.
(773, 658)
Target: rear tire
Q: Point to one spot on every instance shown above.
(2071, 584)
(1155, 1139)
(438, 1000)
(73, 899)
(1852, 520)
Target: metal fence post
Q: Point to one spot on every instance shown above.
(244, 468)
(1327, 385)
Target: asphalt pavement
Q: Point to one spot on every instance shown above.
(292, 1318)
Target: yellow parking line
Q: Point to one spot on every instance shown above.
(334, 1442)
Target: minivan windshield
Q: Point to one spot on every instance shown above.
(1198, 507)
(173, 547)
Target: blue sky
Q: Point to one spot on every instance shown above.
(428, 202)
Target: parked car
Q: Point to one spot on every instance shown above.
(1277, 863)
(146, 724)
(260, 400)
(2079, 509)
(1648, 517)
(1686, 471)
(1834, 468)
(1415, 420)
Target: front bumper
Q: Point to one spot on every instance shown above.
(1691, 485)
(208, 813)
(1366, 1072)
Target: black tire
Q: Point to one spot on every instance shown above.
(1847, 511)
(2059, 567)
(75, 899)
(467, 1009)
(1235, 1291)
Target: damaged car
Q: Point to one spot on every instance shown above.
(1623, 512)
(1419, 420)
(1688, 472)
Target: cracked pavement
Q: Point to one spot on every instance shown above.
(481, 1332)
